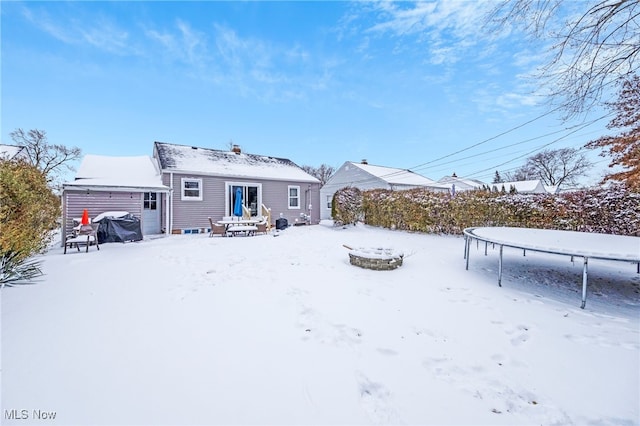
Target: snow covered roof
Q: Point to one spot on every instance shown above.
(206, 161)
(395, 176)
(461, 183)
(9, 152)
(522, 186)
(124, 173)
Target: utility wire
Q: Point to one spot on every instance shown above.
(410, 171)
(540, 147)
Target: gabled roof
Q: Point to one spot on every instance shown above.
(395, 176)
(522, 186)
(118, 173)
(9, 152)
(461, 183)
(206, 161)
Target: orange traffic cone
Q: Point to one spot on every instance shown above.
(85, 217)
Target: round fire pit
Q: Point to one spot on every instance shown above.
(378, 259)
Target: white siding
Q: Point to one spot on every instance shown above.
(347, 175)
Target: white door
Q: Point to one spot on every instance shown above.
(151, 214)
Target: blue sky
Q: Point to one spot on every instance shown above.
(418, 85)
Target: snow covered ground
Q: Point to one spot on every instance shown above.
(263, 330)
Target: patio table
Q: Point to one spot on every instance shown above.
(246, 229)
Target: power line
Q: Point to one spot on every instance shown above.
(488, 139)
(574, 129)
(539, 148)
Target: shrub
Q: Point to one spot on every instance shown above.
(28, 213)
(346, 206)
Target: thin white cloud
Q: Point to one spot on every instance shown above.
(450, 27)
(98, 32)
(181, 44)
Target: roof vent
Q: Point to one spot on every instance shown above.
(364, 161)
(236, 149)
(194, 147)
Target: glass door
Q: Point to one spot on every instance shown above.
(247, 195)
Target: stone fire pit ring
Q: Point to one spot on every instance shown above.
(375, 258)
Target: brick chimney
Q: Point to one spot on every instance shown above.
(364, 161)
(236, 149)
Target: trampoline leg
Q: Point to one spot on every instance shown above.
(466, 250)
(486, 244)
(465, 247)
(500, 268)
(584, 283)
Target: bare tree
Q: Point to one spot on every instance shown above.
(322, 173)
(525, 172)
(594, 43)
(624, 148)
(50, 159)
(558, 167)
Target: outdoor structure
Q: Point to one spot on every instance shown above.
(521, 187)
(366, 176)
(12, 152)
(461, 184)
(376, 258)
(587, 245)
(210, 183)
(102, 184)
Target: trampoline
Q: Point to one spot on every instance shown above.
(567, 243)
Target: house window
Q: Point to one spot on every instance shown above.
(329, 199)
(150, 201)
(192, 189)
(294, 197)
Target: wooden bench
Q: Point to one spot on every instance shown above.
(245, 229)
(86, 234)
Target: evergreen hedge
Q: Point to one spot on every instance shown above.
(612, 210)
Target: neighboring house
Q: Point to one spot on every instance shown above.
(102, 184)
(461, 184)
(522, 187)
(205, 182)
(11, 152)
(552, 189)
(366, 176)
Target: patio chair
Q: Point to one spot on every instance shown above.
(84, 235)
(262, 227)
(217, 229)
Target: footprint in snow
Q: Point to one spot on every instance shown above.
(376, 401)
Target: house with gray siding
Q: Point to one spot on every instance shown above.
(178, 188)
(205, 182)
(366, 176)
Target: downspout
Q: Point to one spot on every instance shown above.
(64, 219)
(308, 203)
(170, 212)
